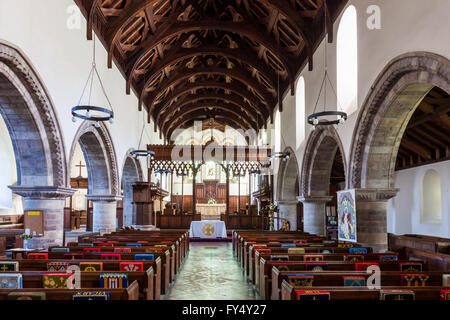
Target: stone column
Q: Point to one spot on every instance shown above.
(129, 211)
(371, 222)
(104, 211)
(50, 200)
(288, 210)
(314, 214)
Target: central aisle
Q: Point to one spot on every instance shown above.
(210, 272)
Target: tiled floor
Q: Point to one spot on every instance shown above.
(210, 272)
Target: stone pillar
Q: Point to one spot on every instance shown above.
(371, 222)
(129, 211)
(50, 200)
(287, 210)
(314, 214)
(104, 211)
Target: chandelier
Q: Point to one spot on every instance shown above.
(326, 118)
(90, 112)
(136, 153)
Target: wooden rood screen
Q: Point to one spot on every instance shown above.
(181, 159)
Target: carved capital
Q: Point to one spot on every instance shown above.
(286, 202)
(103, 197)
(44, 192)
(306, 199)
(375, 194)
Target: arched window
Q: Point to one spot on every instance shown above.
(300, 111)
(347, 61)
(430, 202)
(277, 132)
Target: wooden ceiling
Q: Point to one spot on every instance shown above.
(427, 135)
(197, 59)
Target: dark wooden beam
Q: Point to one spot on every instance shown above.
(417, 148)
(191, 87)
(171, 30)
(186, 53)
(185, 74)
(194, 108)
(117, 23)
(228, 98)
(248, 118)
(197, 116)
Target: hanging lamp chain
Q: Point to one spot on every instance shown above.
(326, 76)
(90, 79)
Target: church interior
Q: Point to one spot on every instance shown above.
(224, 150)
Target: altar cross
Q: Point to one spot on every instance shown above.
(81, 165)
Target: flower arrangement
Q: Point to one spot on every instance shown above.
(26, 236)
(212, 201)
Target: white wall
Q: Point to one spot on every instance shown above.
(62, 57)
(404, 209)
(9, 203)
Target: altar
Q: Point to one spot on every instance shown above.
(211, 211)
(207, 229)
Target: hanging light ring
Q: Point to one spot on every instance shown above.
(108, 114)
(142, 153)
(325, 122)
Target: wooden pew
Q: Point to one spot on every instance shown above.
(130, 293)
(108, 266)
(263, 267)
(164, 271)
(288, 292)
(338, 266)
(33, 279)
(254, 257)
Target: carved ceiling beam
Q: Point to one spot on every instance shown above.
(241, 28)
(186, 74)
(229, 98)
(204, 106)
(209, 85)
(298, 23)
(116, 24)
(185, 53)
(227, 118)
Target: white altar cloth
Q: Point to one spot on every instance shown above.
(207, 229)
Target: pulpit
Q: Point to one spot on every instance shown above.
(143, 203)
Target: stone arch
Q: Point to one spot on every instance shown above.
(320, 151)
(132, 172)
(385, 113)
(287, 189)
(321, 148)
(31, 120)
(287, 177)
(103, 176)
(100, 156)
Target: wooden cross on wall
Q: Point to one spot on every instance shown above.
(81, 165)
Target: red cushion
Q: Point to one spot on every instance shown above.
(37, 256)
(362, 266)
(132, 266)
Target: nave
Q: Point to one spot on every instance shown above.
(210, 272)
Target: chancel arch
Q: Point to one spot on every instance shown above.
(103, 178)
(132, 172)
(324, 155)
(384, 117)
(30, 118)
(288, 189)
